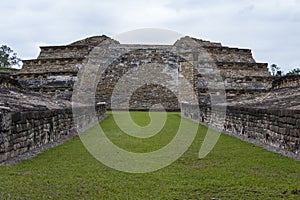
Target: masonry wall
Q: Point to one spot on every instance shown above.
(226, 54)
(76, 51)
(23, 131)
(53, 84)
(286, 81)
(157, 64)
(277, 128)
(52, 65)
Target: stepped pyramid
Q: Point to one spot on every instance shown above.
(55, 70)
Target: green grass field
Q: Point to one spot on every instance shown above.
(233, 170)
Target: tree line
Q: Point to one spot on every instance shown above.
(276, 71)
(8, 58)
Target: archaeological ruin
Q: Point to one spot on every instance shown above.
(192, 74)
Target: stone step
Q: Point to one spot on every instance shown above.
(75, 51)
(52, 65)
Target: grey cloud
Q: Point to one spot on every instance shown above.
(270, 28)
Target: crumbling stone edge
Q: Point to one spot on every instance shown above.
(256, 143)
(26, 133)
(261, 127)
(35, 152)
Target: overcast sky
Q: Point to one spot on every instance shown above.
(271, 28)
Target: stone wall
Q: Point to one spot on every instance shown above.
(277, 128)
(24, 131)
(76, 51)
(156, 64)
(7, 81)
(53, 84)
(52, 65)
(242, 69)
(286, 81)
(226, 54)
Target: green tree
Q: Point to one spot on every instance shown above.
(294, 72)
(275, 69)
(8, 58)
(279, 73)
